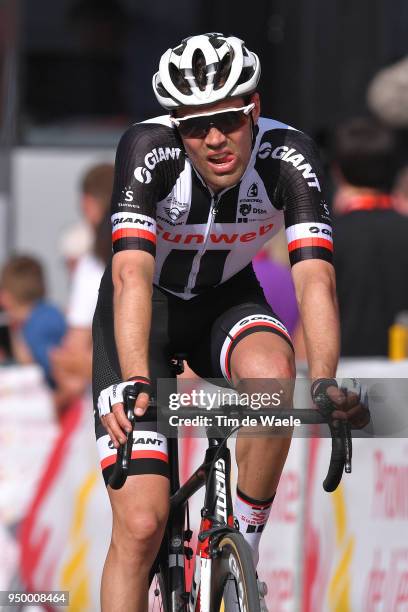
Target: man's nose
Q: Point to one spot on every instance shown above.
(215, 138)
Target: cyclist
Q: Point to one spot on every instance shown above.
(196, 194)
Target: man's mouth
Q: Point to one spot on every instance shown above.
(222, 162)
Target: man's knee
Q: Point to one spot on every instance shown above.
(138, 532)
(263, 362)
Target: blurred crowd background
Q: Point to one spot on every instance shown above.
(75, 73)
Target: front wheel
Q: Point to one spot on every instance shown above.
(233, 578)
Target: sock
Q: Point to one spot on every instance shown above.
(252, 515)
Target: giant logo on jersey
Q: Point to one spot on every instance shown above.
(124, 220)
(291, 156)
(143, 174)
(133, 225)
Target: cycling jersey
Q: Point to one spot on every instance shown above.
(161, 205)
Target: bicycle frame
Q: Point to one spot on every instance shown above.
(217, 518)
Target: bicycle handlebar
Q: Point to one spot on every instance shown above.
(341, 452)
(120, 471)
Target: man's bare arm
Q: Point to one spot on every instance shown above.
(132, 275)
(315, 285)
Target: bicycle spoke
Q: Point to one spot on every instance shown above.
(157, 597)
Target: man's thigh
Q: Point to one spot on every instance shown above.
(141, 504)
(254, 329)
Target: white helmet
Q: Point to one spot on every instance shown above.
(205, 69)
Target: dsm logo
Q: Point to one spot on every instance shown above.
(245, 209)
(253, 191)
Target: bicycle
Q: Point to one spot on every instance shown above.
(223, 566)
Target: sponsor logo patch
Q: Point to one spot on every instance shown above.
(290, 156)
(143, 174)
(245, 209)
(176, 209)
(253, 191)
(213, 238)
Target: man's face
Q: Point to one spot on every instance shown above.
(10, 305)
(221, 158)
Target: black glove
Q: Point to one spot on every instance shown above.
(348, 403)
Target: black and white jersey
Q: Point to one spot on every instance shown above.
(161, 205)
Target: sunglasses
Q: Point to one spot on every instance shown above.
(226, 121)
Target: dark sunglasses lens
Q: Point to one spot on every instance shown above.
(228, 122)
(200, 126)
(194, 128)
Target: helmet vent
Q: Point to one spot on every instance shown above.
(200, 69)
(246, 74)
(223, 71)
(217, 41)
(179, 81)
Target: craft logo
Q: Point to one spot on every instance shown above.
(253, 191)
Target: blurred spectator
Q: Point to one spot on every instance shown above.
(387, 94)
(365, 162)
(86, 279)
(36, 326)
(5, 345)
(86, 260)
(400, 192)
(75, 241)
(72, 362)
(371, 258)
(96, 190)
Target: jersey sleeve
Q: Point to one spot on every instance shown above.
(297, 173)
(148, 161)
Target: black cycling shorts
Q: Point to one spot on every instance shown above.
(205, 329)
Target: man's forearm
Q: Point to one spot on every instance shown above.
(319, 314)
(133, 308)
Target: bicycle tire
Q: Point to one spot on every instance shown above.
(234, 568)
